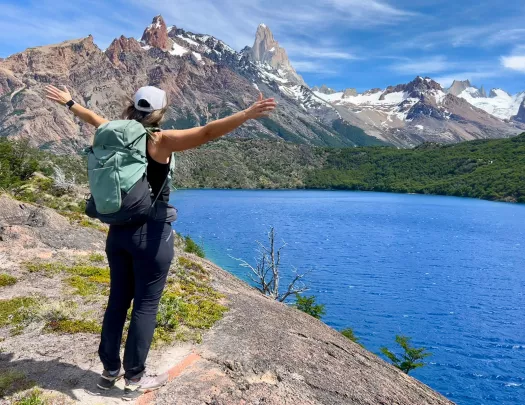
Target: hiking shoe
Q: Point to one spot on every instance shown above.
(107, 380)
(146, 384)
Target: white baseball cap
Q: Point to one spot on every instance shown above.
(149, 99)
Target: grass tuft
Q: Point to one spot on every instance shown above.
(33, 397)
(189, 305)
(7, 280)
(81, 286)
(96, 257)
(12, 382)
(16, 311)
(48, 268)
(72, 326)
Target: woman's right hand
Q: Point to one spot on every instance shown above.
(262, 108)
(57, 95)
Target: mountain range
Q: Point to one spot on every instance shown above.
(206, 79)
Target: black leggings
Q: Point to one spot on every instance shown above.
(139, 260)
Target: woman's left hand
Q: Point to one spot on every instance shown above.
(60, 96)
(262, 108)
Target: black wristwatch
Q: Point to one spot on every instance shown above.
(70, 104)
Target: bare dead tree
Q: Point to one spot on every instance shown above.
(266, 274)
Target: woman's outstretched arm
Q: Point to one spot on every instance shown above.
(178, 140)
(63, 96)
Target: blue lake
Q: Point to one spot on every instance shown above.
(449, 272)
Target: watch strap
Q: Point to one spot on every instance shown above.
(70, 104)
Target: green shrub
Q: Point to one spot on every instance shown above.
(410, 359)
(192, 247)
(349, 334)
(308, 305)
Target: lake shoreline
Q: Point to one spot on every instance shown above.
(507, 200)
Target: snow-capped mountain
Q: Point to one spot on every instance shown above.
(421, 110)
(499, 103)
(206, 79)
(269, 56)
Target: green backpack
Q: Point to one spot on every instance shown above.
(117, 163)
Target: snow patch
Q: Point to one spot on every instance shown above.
(178, 50)
(146, 47)
(255, 85)
(273, 77)
(420, 127)
(154, 26)
(272, 50)
(198, 56)
(188, 40)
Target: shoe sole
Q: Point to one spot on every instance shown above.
(131, 395)
(108, 388)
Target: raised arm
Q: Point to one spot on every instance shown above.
(179, 140)
(63, 96)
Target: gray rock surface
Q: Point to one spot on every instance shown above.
(264, 352)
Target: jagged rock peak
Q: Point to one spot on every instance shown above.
(482, 92)
(156, 34)
(372, 91)
(326, 90)
(423, 84)
(349, 93)
(415, 89)
(520, 117)
(458, 87)
(266, 50)
(120, 45)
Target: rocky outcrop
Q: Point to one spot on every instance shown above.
(121, 46)
(372, 91)
(458, 87)
(349, 93)
(415, 89)
(482, 92)
(326, 90)
(156, 35)
(266, 50)
(520, 117)
(266, 352)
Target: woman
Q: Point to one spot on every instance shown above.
(140, 256)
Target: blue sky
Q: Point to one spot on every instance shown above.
(341, 43)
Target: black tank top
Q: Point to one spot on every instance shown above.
(156, 174)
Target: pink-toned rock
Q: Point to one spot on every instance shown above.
(156, 35)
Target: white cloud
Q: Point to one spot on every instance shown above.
(515, 62)
(376, 10)
(425, 66)
(308, 66)
(480, 35)
(317, 52)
